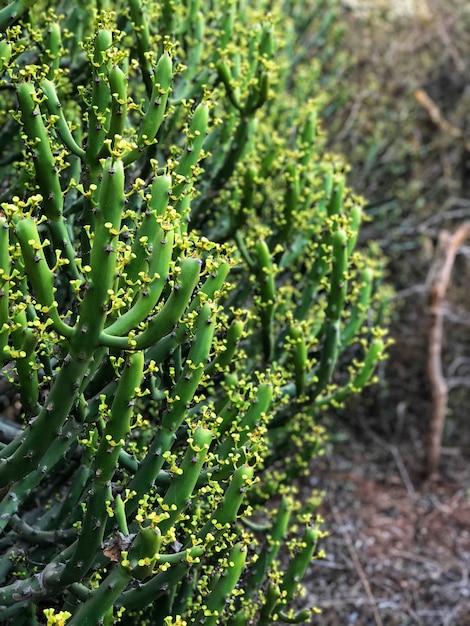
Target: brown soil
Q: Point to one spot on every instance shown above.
(398, 550)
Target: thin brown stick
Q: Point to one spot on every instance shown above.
(357, 565)
(439, 282)
(436, 116)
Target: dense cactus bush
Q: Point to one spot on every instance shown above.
(180, 298)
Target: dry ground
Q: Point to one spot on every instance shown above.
(398, 553)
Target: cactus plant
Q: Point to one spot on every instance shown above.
(180, 297)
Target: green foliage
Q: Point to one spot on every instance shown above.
(180, 297)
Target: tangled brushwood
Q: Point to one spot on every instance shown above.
(180, 299)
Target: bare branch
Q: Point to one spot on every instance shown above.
(439, 282)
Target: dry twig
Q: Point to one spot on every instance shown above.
(357, 565)
(440, 278)
(436, 116)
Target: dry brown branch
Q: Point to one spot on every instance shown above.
(436, 116)
(440, 278)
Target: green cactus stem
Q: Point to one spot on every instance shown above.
(335, 204)
(55, 108)
(118, 86)
(141, 26)
(100, 279)
(99, 112)
(375, 352)
(24, 341)
(298, 566)
(12, 12)
(232, 501)
(267, 288)
(355, 215)
(152, 254)
(291, 201)
(5, 269)
(71, 505)
(90, 539)
(295, 618)
(244, 133)
(183, 393)
(53, 47)
(223, 360)
(183, 483)
(144, 552)
(253, 416)
(119, 420)
(102, 599)
(169, 315)
(196, 136)
(39, 274)
(47, 176)
(155, 113)
(336, 300)
(359, 312)
(35, 536)
(6, 51)
(222, 586)
(193, 370)
(259, 570)
(150, 232)
(300, 355)
(44, 429)
(24, 487)
(273, 594)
